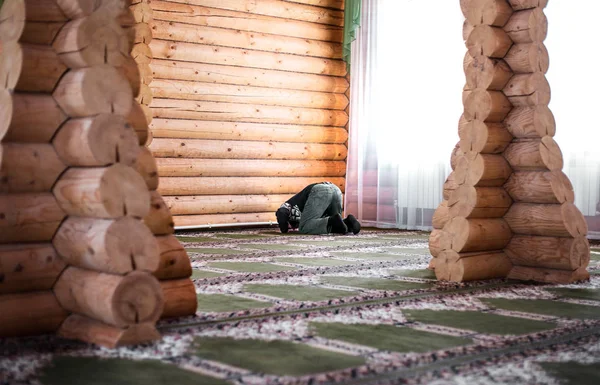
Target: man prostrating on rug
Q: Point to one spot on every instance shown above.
(317, 209)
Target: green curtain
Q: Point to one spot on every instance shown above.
(351, 24)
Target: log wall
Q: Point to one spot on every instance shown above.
(78, 212)
(509, 211)
(247, 103)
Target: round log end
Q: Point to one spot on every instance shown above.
(443, 264)
(580, 253)
(95, 90)
(488, 41)
(458, 232)
(11, 62)
(137, 299)
(12, 20)
(488, 12)
(551, 154)
(438, 241)
(6, 111)
(441, 216)
(573, 220)
(487, 106)
(562, 187)
(462, 201)
(124, 192)
(145, 165)
(130, 239)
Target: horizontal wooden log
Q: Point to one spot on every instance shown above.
(145, 165)
(29, 167)
(29, 217)
(438, 241)
(103, 192)
(527, 4)
(236, 38)
(94, 90)
(482, 170)
(28, 267)
(113, 299)
(93, 40)
(467, 29)
(486, 138)
(222, 74)
(469, 235)
(487, 73)
(274, 8)
(11, 63)
(479, 202)
(63, 10)
(549, 252)
(249, 113)
(180, 298)
(97, 141)
(549, 187)
(527, 90)
(459, 267)
(219, 130)
(35, 117)
(546, 220)
(449, 186)
(12, 20)
(527, 26)
(192, 90)
(39, 32)
(159, 219)
(168, 167)
(110, 246)
(534, 154)
(6, 111)
(198, 148)
(26, 314)
(138, 121)
(142, 53)
(174, 260)
(528, 57)
(131, 71)
(441, 216)
(42, 69)
(142, 12)
(486, 106)
(531, 122)
(200, 53)
(223, 204)
(336, 4)
(251, 22)
(555, 276)
(145, 95)
(488, 12)
(224, 219)
(82, 328)
(239, 185)
(488, 41)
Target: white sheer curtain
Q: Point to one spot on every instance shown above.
(406, 82)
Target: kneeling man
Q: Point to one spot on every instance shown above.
(317, 209)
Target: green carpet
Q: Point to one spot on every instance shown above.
(374, 283)
(195, 239)
(388, 337)
(282, 358)
(212, 250)
(478, 322)
(250, 267)
(546, 307)
(269, 247)
(371, 256)
(317, 261)
(241, 236)
(423, 273)
(297, 293)
(199, 274)
(574, 373)
(223, 303)
(95, 371)
(590, 294)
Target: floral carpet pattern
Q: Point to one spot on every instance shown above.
(293, 309)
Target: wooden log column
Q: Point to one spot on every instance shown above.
(174, 268)
(69, 185)
(469, 232)
(511, 166)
